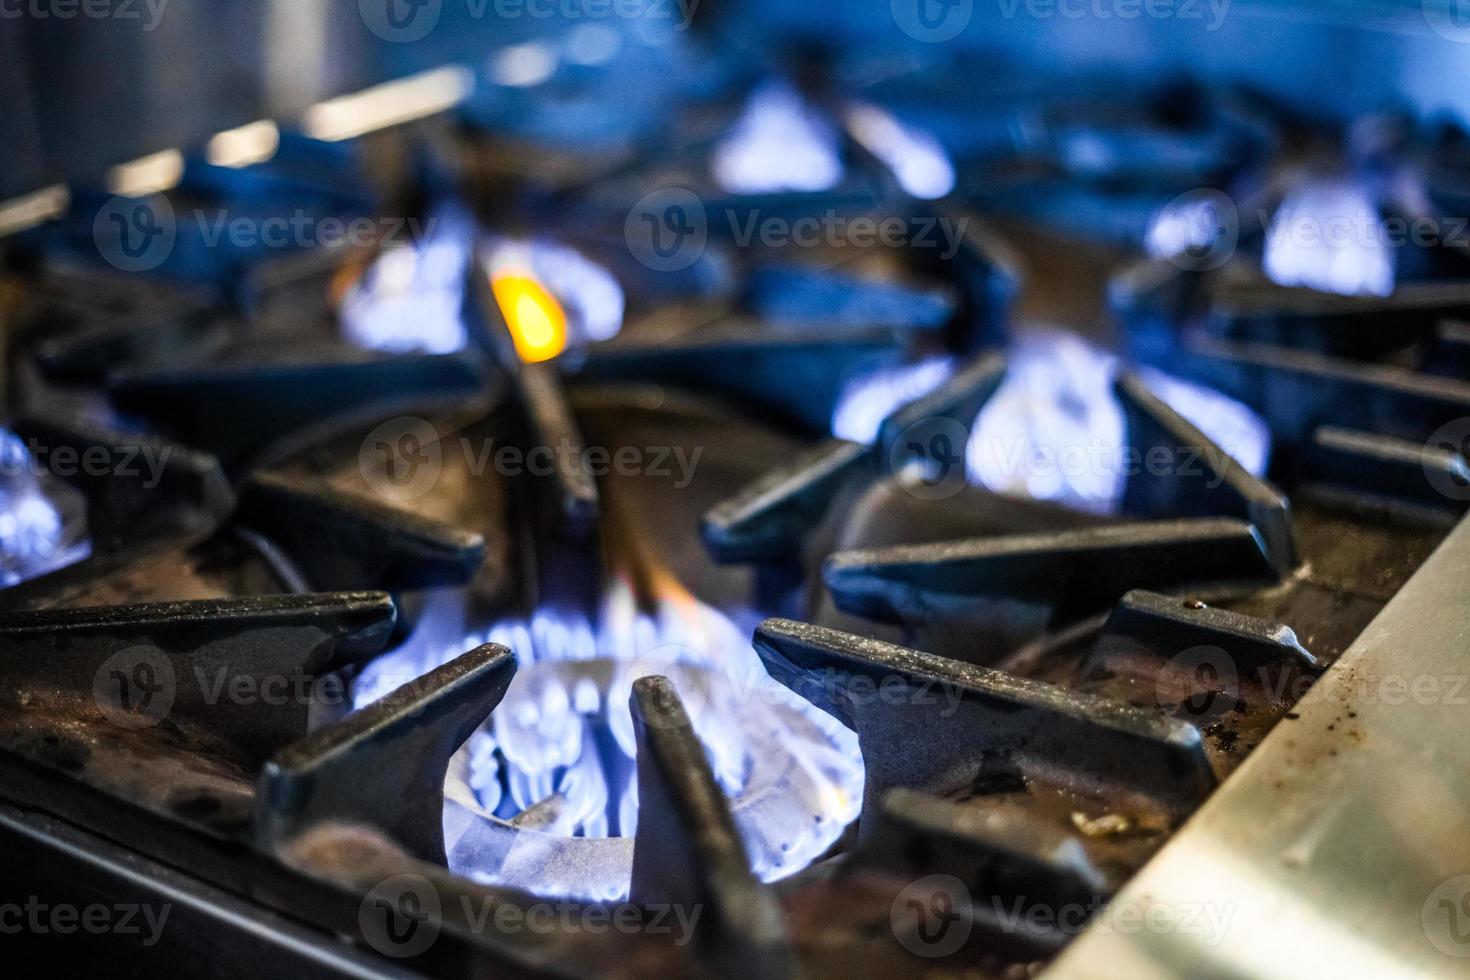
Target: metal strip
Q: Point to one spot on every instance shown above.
(1342, 846)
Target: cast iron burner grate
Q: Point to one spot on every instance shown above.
(1041, 696)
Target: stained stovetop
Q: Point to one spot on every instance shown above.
(261, 699)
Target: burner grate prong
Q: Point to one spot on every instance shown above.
(346, 541)
(1366, 467)
(1170, 625)
(769, 518)
(998, 856)
(794, 376)
(932, 724)
(238, 410)
(173, 662)
(959, 399)
(1298, 391)
(1200, 479)
(384, 765)
(137, 487)
(687, 851)
(1060, 577)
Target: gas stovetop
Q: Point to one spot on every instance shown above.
(801, 526)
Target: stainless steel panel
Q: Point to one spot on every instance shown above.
(1342, 847)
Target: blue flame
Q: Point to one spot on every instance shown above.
(868, 399)
(1055, 431)
(524, 65)
(1240, 432)
(590, 295)
(1329, 236)
(563, 736)
(779, 143)
(1189, 225)
(35, 536)
(918, 161)
(412, 299)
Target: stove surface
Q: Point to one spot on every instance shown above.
(810, 515)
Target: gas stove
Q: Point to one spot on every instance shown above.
(831, 512)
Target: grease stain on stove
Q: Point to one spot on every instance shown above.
(65, 754)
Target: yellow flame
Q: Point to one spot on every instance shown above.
(537, 322)
(348, 274)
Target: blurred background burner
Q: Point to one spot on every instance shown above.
(922, 469)
(43, 523)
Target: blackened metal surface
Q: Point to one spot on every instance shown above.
(997, 854)
(792, 375)
(1195, 477)
(384, 765)
(688, 852)
(171, 568)
(237, 411)
(163, 919)
(137, 487)
(769, 518)
(1170, 623)
(1309, 843)
(1059, 576)
(340, 541)
(933, 724)
(117, 667)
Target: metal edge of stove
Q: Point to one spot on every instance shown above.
(1342, 846)
(268, 944)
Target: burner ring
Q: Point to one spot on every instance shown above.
(773, 804)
